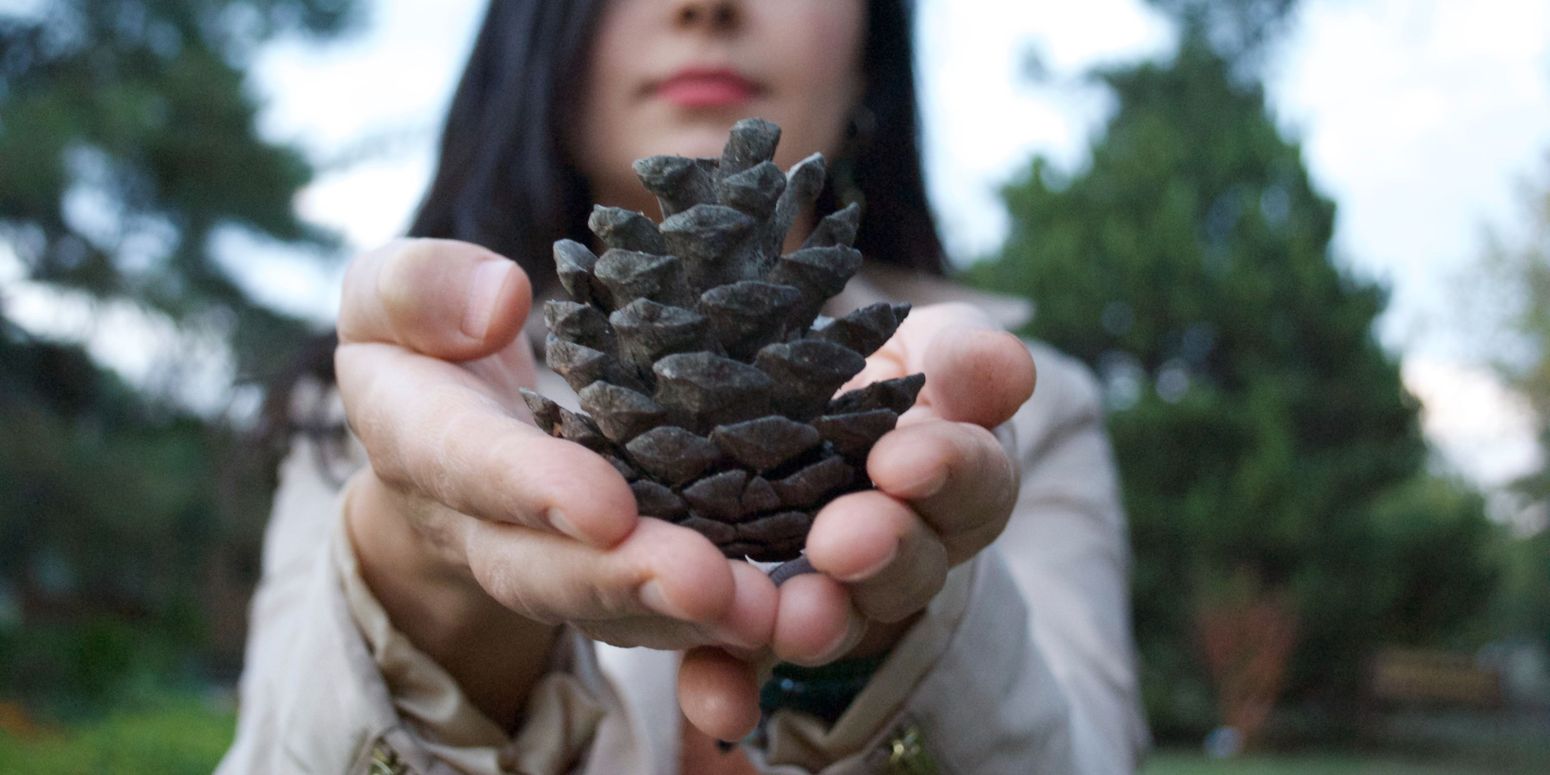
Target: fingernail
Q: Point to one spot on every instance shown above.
(928, 486)
(874, 568)
(845, 642)
(651, 596)
(484, 290)
(562, 524)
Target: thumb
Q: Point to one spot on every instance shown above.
(449, 300)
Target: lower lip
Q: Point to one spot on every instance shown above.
(705, 93)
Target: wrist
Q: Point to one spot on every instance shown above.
(494, 654)
(396, 558)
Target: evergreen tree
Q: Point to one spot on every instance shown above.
(128, 139)
(1257, 423)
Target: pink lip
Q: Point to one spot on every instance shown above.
(697, 87)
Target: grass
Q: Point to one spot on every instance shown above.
(176, 734)
(169, 736)
(1178, 763)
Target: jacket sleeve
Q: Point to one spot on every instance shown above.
(307, 699)
(330, 686)
(1024, 662)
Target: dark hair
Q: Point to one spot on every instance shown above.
(503, 179)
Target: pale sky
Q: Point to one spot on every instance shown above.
(1419, 117)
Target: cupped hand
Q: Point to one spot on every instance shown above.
(945, 489)
(471, 525)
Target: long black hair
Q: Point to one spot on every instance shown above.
(503, 179)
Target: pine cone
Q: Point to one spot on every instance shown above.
(705, 372)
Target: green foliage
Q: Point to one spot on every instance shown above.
(1261, 431)
(128, 143)
(112, 494)
(112, 535)
(168, 736)
(1239, 30)
(1522, 605)
(1524, 271)
(1172, 763)
(1519, 273)
(129, 138)
(73, 668)
(1439, 561)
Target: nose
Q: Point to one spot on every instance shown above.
(711, 15)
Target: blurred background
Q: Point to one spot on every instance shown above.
(1305, 245)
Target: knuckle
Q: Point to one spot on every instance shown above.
(368, 418)
(511, 485)
(360, 311)
(610, 601)
(445, 437)
(390, 470)
(402, 274)
(363, 266)
(505, 582)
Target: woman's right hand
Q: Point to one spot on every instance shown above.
(478, 532)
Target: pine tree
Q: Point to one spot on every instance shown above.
(1257, 423)
(128, 138)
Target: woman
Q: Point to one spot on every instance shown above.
(470, 599)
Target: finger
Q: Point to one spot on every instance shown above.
(446, 299)
(660, 569)
(750, 622)
(651, 632)
(430, 431)
(977, 375)
(904, 352)
(955, 475)
(892, 563)
(815, 622)
(975, 372)
(718, 693)
(744, 629)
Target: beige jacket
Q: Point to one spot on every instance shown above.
(1022, 664)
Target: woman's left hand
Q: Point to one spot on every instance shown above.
(945, 489)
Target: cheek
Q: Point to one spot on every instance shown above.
(604, 132)
(816, 75)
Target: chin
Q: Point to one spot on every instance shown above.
(702, 144)
(696, 136)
